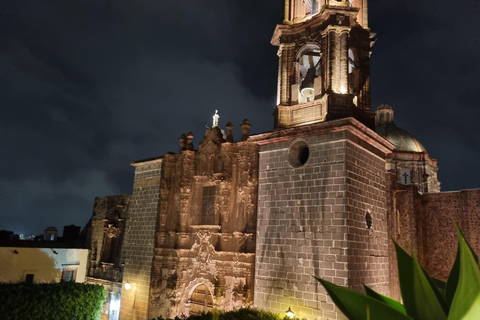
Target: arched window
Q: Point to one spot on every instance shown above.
(310, 7)
(314, 6)
(309, 67)
(353, 72)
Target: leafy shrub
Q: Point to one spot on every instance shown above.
(56, 301)
(241, 314)
(424, 298)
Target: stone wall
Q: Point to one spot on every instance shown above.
(105, 241)
(312, 216)
(138, 244)
(425, 222)
(106, 234)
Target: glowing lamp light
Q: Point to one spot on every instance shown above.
(115, 304)
(343, 90)
(290, 313)
(128, 285)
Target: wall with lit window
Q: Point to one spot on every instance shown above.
(40, 265)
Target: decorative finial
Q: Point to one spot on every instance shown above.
(183, 142)
(190, 141)
(216, 116)
(229, 132)
(245, 126)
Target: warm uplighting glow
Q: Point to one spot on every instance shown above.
(128, 285)
(115, 304)
(290, 313)
(343, 90)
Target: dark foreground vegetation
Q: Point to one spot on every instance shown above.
(52, 301)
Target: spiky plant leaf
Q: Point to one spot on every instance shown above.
(421, 298)
(391, 302)
(466, 301)
(427, 303)
(440, 285)
(455, 272)
(357, 306)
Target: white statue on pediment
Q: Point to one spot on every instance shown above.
(215, 117)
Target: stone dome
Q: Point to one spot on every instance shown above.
(385, 127)
(384, 106)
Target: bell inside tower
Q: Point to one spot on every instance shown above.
(308, 74)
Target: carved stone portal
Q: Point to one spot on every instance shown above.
(204, 253)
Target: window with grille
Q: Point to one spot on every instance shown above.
(208, 206)
(68, 275)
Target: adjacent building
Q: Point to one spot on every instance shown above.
(50, 260)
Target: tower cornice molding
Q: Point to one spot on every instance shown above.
(351, 125)
(331, 16)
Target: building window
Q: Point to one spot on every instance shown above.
(208, 206)
(368, 220)
(29, 277)
(298, 153)
(308, 68)
(353, 72)
(69, 274)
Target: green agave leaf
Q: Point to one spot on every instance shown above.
(455, 272)
(421, 298)
(466, 301)
(428, 305)
(441, 286)
(389, 301)
(357, 306)
(438, 287)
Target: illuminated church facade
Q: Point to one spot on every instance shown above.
(249, 223)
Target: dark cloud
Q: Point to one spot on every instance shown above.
(89, 86)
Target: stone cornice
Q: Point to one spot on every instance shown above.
(347, 124)
(318, 20)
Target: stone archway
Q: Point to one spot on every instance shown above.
(201, 300)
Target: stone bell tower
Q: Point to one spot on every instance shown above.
(324, 65)
(322, 201)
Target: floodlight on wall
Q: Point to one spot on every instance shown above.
(115, 304)
(128, 286)
(290, 313)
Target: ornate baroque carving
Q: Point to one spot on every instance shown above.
(112, 232)
(204, 253)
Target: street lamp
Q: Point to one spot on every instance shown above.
(128, 286)
(290, 313)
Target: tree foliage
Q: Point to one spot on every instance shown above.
(424, 298)
(53, 301)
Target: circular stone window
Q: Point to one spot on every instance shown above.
(298, 153)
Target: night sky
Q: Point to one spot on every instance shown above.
(88, 87)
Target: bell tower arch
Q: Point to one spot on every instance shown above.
(324, 62)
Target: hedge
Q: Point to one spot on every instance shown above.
(55, 301)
